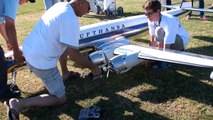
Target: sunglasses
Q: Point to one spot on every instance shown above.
(149, 14)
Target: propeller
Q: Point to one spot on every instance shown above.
(109, 68)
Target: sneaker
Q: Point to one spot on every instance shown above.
(204, 18)
(187, 18)
(161, 65)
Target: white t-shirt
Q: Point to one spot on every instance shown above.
(172, 27)
(57, 29)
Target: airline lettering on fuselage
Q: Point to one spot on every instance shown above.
(102, 31)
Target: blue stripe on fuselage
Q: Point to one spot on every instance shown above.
(109, 34)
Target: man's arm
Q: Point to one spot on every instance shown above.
(79, 58)
(12, 37)
(4, 35)
(152, 41)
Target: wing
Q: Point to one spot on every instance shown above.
(121, 56)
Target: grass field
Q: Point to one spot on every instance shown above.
(180, 92)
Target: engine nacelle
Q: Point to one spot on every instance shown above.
(97, 58)
(123, 63)
(100, 57)
(106, 51)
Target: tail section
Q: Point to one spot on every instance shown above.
(186, 4)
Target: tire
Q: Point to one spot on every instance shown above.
(98, 9)
(120, 11)
(107, 12)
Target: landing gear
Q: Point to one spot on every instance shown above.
(120, 11)
(107, 12)
(98, 10)
(108, 7)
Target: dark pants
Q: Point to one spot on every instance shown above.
(201, 5)
(3, 72)
(168, 2)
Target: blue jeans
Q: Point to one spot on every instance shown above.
(3, 72)
(201, 5)
(49, 3)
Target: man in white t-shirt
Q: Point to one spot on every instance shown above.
(165, 30)
(56, 31)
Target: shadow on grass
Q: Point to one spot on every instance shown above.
(204, 38)
(202, 50)
(171, 83)
(170, 87)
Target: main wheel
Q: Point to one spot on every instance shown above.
(120, 11)
(107, 12)
(98, 9)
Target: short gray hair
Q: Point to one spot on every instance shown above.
(72, 1)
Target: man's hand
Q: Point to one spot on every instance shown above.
(18, 57)
(9, 46)
(156, 44)
(153, 43)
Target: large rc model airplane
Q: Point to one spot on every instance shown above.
(114, 52)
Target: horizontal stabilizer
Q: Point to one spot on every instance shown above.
(198, 9)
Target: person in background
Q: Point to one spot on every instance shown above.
(56, 32)
(168, 2)
(201, 14)
(166, 31)
(8, 10)
(165, 2)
